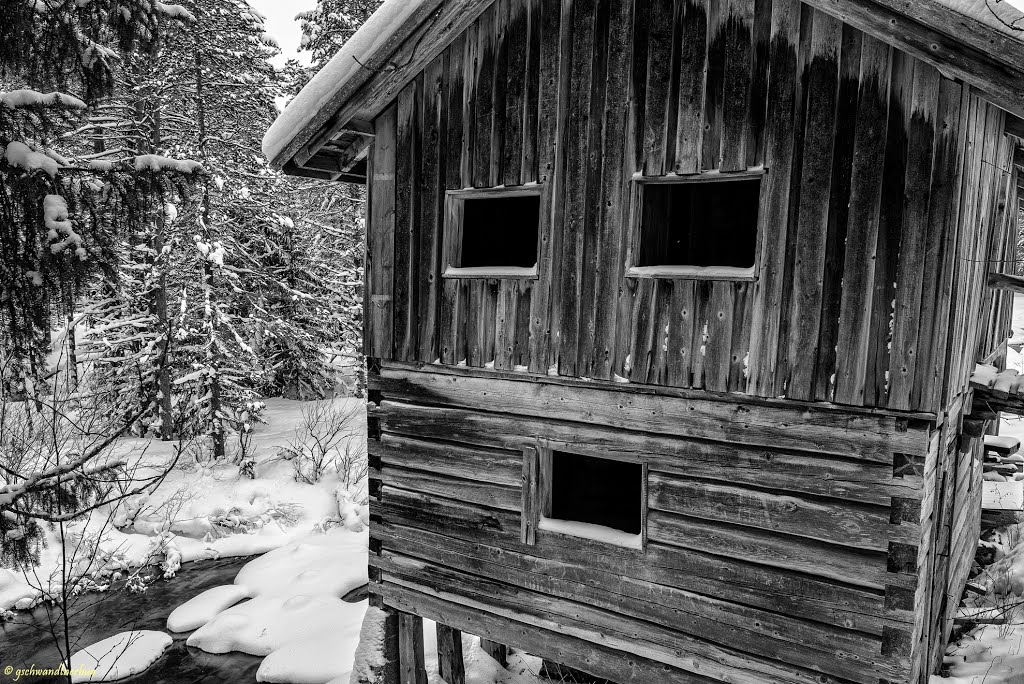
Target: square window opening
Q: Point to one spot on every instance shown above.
(500, 231)
(707, 223)
(597, 491)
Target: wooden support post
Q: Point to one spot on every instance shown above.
(497, 651)
(410, 649)
(388, 673)
(451, 666)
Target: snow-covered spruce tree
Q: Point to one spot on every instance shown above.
(228, 88)
(62, 217)
(330, 24)
(275, 266)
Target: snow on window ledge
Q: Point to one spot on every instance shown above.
(600, 533)
(692, 272)
(490, 272)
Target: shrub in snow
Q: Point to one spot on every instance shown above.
(324, 443)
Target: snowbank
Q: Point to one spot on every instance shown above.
(119, 656)
(295, 616)
(201, 511)
(337, 73)
(15, 593)
(200, 609)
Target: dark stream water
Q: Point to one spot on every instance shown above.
(27, 641)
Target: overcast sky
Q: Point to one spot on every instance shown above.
(281, 25)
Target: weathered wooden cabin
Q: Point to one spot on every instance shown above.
(671, 310)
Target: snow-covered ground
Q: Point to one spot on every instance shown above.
(285, 604)
(201, 510)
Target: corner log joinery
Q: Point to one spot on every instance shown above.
(783, 540)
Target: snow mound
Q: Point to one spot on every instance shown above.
(333, 563)
(14, 593)
(337, 73)
(119, 656)
(320, 658)
(295, 617)
(268, 623)
(200, 609)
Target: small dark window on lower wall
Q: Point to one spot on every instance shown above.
(598, 491)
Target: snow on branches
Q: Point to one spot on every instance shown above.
(17, 99)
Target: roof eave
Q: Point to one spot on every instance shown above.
(959, 46)
(382, 75)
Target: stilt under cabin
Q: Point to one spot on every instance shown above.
(671, 311)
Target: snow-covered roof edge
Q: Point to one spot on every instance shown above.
(342, 74)
(1000, 15)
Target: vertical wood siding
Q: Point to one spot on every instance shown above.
(881, 199)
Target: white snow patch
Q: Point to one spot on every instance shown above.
(200, 609)
(268, 623)
(156, 163)
(21, 155)
(14, 593)
(599, 533)
(120, 656)
(16, 99)
(370, 652)
(176, 11)
(296, 617)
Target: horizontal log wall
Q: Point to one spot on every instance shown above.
(782, 540)
(881, 186)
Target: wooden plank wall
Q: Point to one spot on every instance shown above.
(984, 241)
(781, 541)
(850, 306)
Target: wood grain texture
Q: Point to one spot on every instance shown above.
(381, 247)
(450, 662)
(410, 649)
(870, 437)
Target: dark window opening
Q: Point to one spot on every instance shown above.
(598, 491)
(500, 231)
(703, 223)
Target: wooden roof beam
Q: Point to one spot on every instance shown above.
(957, 45)
(335, 127)
(1005, 281)
(1015, 127)
(356, 176)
